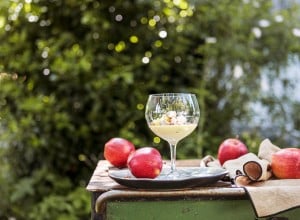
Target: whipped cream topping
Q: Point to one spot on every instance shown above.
(170, 118)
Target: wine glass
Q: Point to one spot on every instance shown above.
(172, 117)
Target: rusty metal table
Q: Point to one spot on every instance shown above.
(222, 200)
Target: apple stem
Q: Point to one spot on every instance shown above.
(173, 157)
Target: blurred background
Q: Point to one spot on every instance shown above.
(75, 73)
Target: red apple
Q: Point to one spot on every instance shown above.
(285, 163)
(230, 149)
(145, 162)
(117, 150)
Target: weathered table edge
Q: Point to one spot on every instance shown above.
(201, 192)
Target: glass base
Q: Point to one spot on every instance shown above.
(168, 173)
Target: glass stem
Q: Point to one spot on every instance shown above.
(173, 157)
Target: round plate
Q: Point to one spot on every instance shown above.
(189, 177)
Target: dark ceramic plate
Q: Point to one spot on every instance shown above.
(189, 177)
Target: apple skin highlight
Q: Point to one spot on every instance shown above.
(285, 163)
(231, 148)
(117, 151)
(145, 162)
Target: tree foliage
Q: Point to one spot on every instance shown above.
(73, 74)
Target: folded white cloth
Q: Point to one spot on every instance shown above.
(274, 196)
